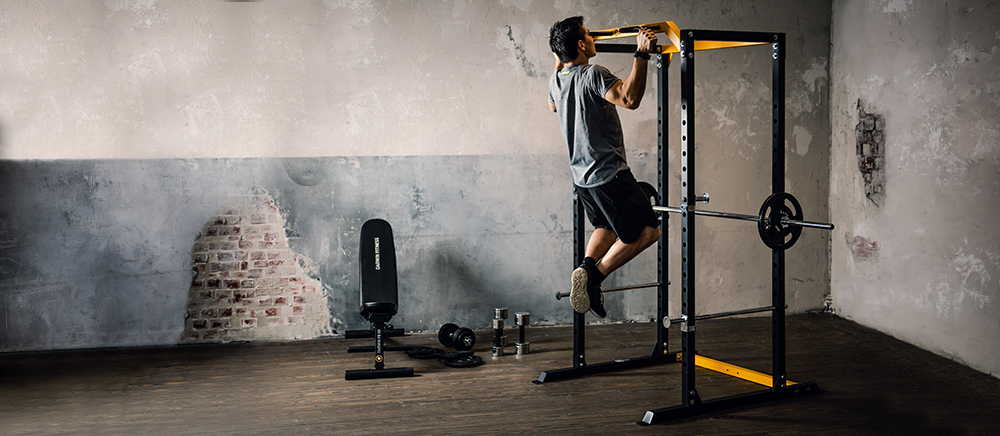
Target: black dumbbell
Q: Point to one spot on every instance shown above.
(461, 338)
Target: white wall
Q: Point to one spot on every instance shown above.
(123, 79)
(930, 68)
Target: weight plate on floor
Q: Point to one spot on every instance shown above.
(464, 362)
(424, 352)
(455, 355)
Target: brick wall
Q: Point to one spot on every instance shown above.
(248, 284)
(870, 133)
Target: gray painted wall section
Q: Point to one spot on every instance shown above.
(103, 249)
(458, 152)
(930, 68)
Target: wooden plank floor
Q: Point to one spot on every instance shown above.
(873, 384)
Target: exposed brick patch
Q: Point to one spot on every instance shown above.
(248, 284)
(870, 133)
(861, 248)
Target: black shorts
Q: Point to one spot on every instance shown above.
(620, 206)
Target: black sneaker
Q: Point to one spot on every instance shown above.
(578, 294)
(596, 301)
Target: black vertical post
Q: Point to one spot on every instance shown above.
(778, 185)
(662, 146)
(689, 395)
(579, 251)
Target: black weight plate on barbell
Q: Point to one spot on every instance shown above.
(773, 232)
(424, 353)
(649, 191)
(464, 339)
(769, 225)
(444, 334)
(464, 362)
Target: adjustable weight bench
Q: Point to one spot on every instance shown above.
(379, 300)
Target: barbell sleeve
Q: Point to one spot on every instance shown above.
(810, 224)
(667, 209)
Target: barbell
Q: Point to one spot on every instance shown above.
(780, 217)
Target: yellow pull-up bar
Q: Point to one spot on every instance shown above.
(673, 33)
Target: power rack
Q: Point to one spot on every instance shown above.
(779, 223)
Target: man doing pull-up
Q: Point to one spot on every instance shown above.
(584, 96)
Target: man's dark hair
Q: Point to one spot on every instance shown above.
(563, 37)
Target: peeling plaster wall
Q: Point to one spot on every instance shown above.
(923, 266)
(126, 125)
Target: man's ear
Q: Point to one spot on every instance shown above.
(579, 46)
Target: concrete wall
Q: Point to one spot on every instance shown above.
(922, 261)
(128, 127)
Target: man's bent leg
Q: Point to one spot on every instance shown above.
(620, 253)
(600, 242)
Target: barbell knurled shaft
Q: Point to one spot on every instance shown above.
(753, 218)
(732, 216)
(560, 295)
(725, 314)
(737, 216)
(630, 287)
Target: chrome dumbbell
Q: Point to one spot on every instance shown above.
(522, 319)
(499, 339)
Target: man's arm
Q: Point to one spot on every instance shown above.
(559, 66)
(628, 94)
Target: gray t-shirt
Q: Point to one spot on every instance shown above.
(590, 124)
